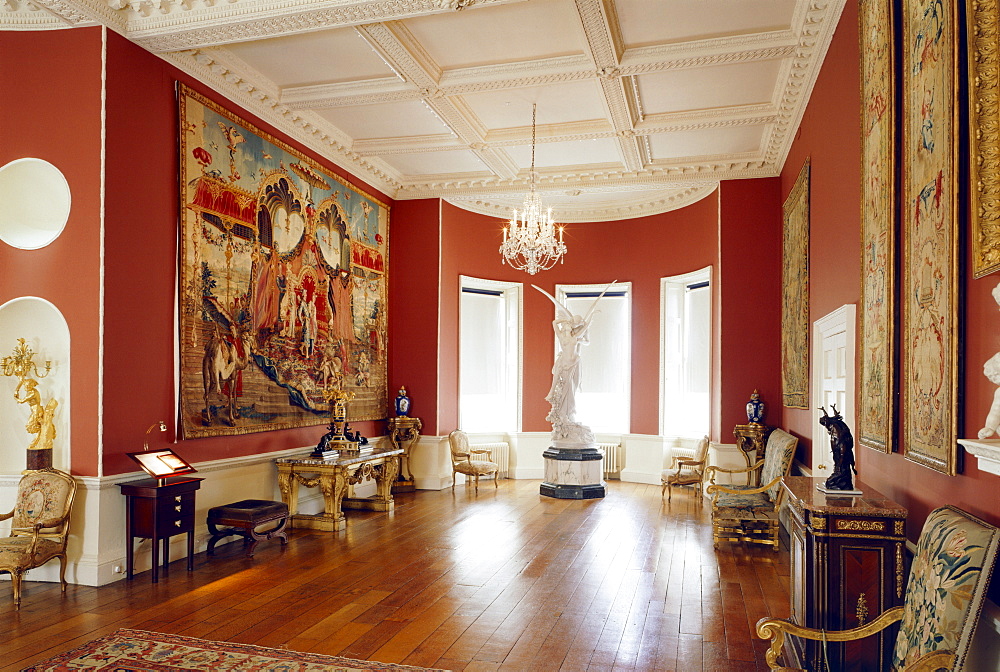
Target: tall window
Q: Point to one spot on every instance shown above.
(686, 342)
(489, 359)
(603, 402)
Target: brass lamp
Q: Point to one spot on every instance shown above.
(163, 428)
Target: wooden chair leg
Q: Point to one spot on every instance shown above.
(453, 473)
(15, 580)
(62, 571)
(495, 474)
(477, 483)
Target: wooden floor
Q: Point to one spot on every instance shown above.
(502, 580)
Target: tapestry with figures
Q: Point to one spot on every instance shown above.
(283, 275)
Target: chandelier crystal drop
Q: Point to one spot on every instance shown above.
(529, 239)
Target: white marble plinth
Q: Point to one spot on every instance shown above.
(573, 472)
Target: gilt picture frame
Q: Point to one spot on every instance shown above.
(283, 282)
(877, 400)
(984, 134)
(930, 271)
(795, 294)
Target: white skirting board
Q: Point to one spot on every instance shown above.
(96, 550)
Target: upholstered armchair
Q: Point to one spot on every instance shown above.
(747, 513)
(948, 581)
(464, 460)
(686, 471)
(39, 525)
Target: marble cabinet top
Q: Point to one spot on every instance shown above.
(802, 491)
(344, 458)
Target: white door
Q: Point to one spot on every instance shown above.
(833, 380)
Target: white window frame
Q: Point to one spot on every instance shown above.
(513, 293)
(668, 325)
(563, 291)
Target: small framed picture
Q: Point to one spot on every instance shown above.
(162, 463)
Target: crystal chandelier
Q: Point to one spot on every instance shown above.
(529, 240)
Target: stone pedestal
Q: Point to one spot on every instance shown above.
(573, 473)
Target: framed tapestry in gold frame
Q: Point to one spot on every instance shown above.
(283, 282)
(984, 134)
(876, 399)
(929, 276)
(795, 294)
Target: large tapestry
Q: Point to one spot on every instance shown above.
(795, 295)
(984, 134)
(930, 240)
(876, 402)
(282, 282)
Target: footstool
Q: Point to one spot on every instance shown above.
(244, 518)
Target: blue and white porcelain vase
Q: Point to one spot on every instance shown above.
(402, 403)
(755, 409)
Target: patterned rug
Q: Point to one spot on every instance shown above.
(141, 651)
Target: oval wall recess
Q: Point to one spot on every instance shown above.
(34, 203)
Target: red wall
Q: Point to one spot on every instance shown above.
(414, 286)
(640, 251)
(830, 134)
(50, 108)
(141, 263)
(749, 310)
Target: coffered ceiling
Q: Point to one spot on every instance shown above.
(643, 105)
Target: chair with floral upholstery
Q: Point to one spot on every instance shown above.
(463, 460)
(686, 471)
(747, 513)
(39, 525)
(948, 582)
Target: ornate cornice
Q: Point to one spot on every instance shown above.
(42, 15)
(173, 25)
(619, 209)
(818, 22)
(24, 15)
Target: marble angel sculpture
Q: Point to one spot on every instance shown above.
(572, 333)
(991, 369)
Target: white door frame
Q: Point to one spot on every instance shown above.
(841, 320)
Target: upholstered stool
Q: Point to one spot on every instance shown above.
(244, 518)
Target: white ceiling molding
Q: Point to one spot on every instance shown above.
(609, 211)
(639, 106)
(23, 15)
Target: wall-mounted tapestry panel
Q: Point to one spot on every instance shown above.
(984, 134)
(795, 295)
(876, 400)
(929, 276)
(283, 275)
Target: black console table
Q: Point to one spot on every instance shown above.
(159, 511)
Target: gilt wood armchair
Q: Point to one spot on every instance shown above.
(686, 471)
(39, 526)
(747, 513)
(948, 582)
(469, 461)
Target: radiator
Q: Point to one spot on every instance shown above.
(501, 455)
(612, 459)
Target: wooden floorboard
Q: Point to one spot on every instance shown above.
(500, 580)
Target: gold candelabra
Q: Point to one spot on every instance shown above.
(21, 363)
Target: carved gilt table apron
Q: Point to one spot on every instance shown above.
(336, 477)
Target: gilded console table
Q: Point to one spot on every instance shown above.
(847, 567)
(403, 433)
(335, 477)
(751, 439)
